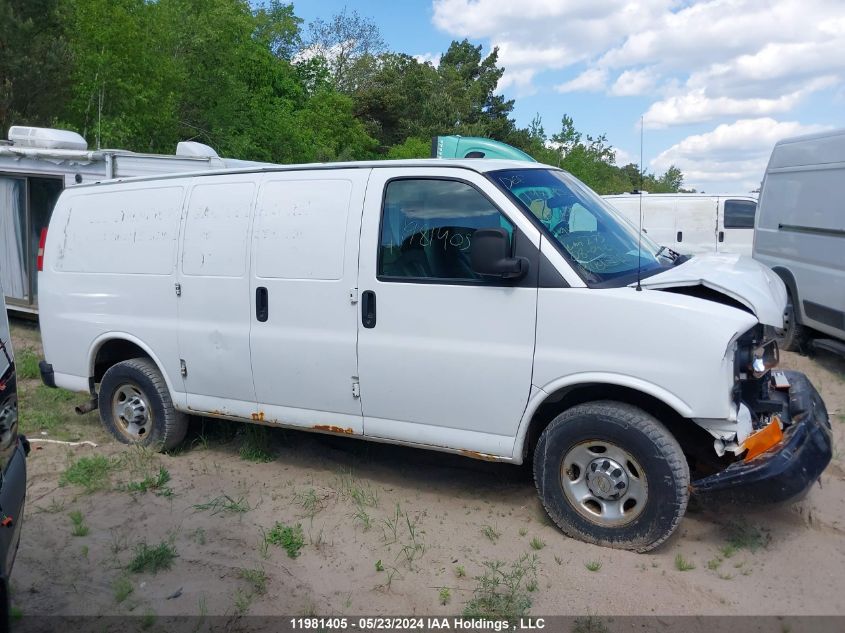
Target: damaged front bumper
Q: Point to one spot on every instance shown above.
(785, 472)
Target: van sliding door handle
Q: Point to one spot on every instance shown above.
(262, 304)
(680, 236)
(721, 236)
(368, 309)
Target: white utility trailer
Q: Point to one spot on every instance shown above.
(36, 164)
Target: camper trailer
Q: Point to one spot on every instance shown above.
(36, 164)
(693, 223)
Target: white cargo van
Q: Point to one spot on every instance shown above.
(488, 308)
(693, 223)
(801, 234)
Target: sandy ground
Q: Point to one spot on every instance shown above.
(386, 529)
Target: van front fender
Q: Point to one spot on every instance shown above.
(539, 395)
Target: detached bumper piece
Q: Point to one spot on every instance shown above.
(785, 472)
(47, 375)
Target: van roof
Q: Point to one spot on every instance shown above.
(685, 196)
(480, 165)
(809, 149)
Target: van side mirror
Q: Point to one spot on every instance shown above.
(489, 255)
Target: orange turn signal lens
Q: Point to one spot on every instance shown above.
(763, 440)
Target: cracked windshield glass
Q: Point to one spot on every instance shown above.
(601, 244)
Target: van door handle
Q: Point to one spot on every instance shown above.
(262, 304)
(721, 236)
(368, 309)
(680, 236)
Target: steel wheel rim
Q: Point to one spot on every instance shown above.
(604, 483)
(131, 411)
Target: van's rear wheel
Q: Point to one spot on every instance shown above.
(136, 407)
(609, 473)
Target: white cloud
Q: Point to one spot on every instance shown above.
(703, 59)
(429, 58)
(591, 80)
(635, 82)
(731, 155)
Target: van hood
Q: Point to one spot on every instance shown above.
(736, 276)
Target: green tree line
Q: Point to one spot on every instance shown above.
(255, 82)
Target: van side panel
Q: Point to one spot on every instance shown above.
(801, 228)
(109, 269)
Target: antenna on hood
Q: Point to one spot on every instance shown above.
(640, 233)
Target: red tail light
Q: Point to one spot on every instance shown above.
(41, 242)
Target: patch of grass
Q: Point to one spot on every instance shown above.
(26, 363)
(728, 550)
(726, 576)
(147, 620)
(523, 531)
(122, 588)
(501, 592)
(593, 565)
(55, 506)
(714, 563)
(309, 502)
(79, 527)
(152, 558)
(537, 544)
(199, 536)
(289, 537)
(257, 579)
(223, 503)
(50, 410)
(460, 571)
(379, 565)
(91, 473)
(362, 518)
(682, 564)
(491, 533)
(15, 613)
(156, 483)
(742, 535)
(256, 444)
(444, 596)
(589, 624)
(243, 600)
(558, 560)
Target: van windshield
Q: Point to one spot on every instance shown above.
(600, 243)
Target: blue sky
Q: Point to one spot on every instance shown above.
(718, 81)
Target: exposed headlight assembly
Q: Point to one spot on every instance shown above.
(760, 359)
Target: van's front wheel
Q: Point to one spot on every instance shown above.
(609, 473)
(136, 407)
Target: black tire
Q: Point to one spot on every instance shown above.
(660, 464)
(164, 428)
(791, 338)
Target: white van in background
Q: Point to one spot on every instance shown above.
(497, 309)
(800, 234)
(693, 223)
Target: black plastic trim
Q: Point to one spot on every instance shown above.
(48, 376)
(816, 230)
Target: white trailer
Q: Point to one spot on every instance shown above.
(36, 164)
